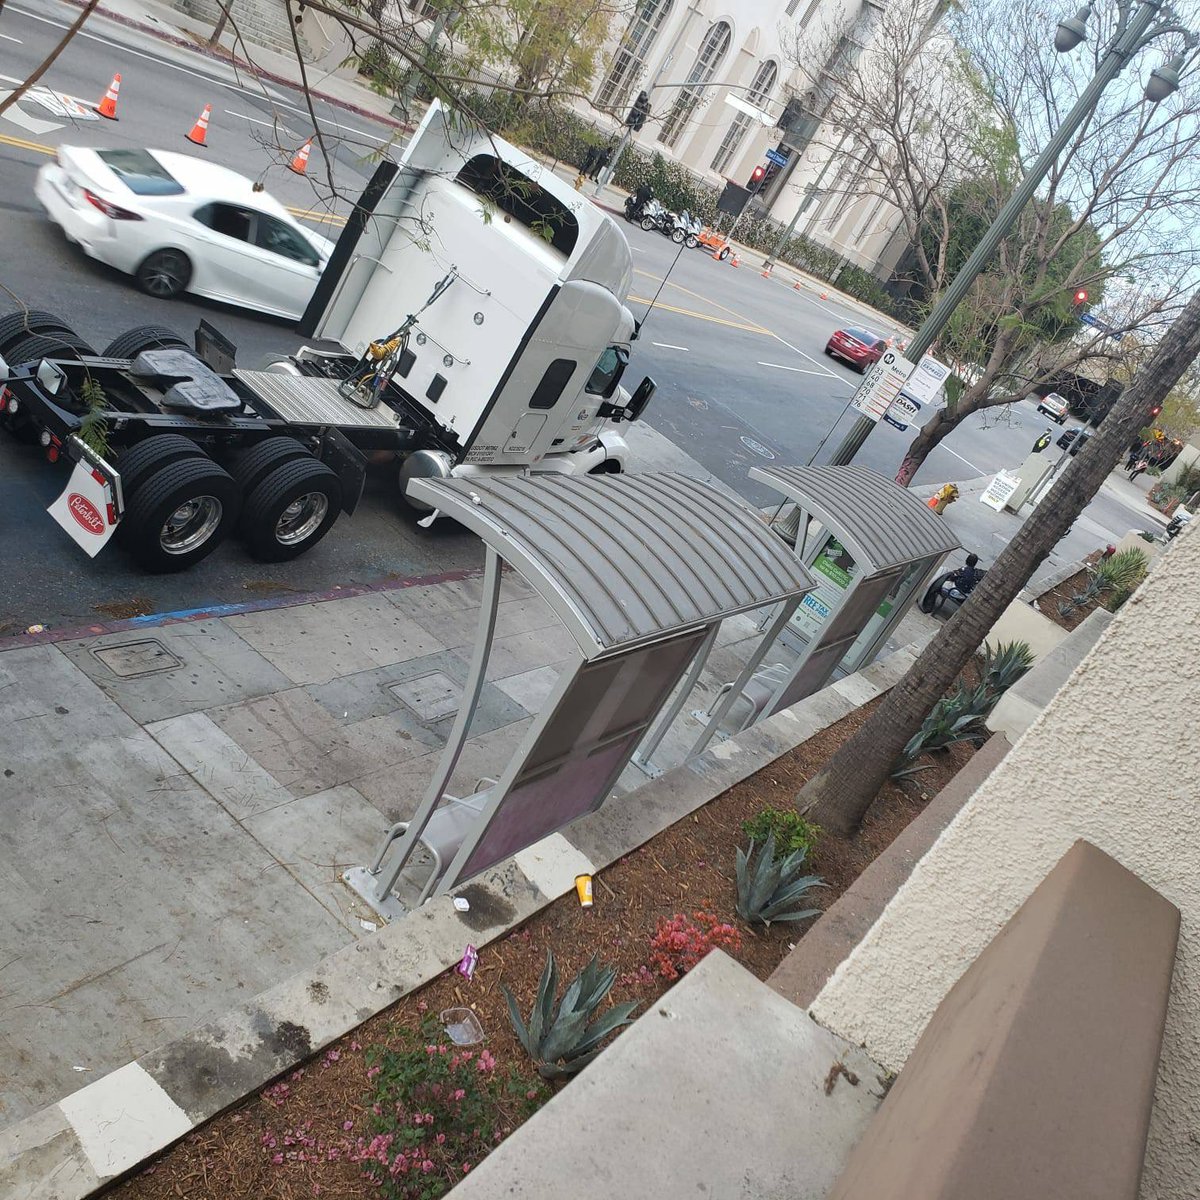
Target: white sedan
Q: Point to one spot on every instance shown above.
(179, 224)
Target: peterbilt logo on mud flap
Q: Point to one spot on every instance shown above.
(85, 513)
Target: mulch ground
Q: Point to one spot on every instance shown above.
(688, 867)
(1048, 604)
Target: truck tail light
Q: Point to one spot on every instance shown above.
(108, 208)
(4, 394)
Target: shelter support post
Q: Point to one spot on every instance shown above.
(782, 616)
(666, 718)
(454, 743)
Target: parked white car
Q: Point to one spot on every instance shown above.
(179, 224)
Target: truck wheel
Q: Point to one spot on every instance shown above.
(132, 342)
(180, 514)
(724, 254)
(145, 458)
(164, 274)
(253, 466)
(37, 346)
(16, 327)
(291, 510)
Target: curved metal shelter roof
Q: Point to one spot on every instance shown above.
(625, 559)
(881, 523)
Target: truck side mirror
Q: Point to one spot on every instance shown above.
(640, 398)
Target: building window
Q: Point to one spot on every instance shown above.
(813, 5)
(758, 94)
(716, 42)
(631, 53)
(425, 10)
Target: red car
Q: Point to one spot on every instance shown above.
(859, 347)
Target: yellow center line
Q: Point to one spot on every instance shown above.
(688, 312)
(22, 144)
(743, 321)
(312, 214)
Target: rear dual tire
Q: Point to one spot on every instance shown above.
(180, 505)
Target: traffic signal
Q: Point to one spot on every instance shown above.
(756, 178)
(1081, 297)
(639, 112)
(1156, 410)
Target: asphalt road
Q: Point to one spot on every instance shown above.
(737, 357)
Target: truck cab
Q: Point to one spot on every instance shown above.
(518, 362)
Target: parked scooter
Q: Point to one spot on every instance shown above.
(635, 204)
(686, 230)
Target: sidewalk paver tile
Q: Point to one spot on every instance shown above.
(314, 643)
(216, 762)
(137, 668)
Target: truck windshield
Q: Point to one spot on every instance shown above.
(522, 199)
(607, 371)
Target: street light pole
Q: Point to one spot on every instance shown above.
(1132, 35)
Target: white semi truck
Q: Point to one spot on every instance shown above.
(471, 319)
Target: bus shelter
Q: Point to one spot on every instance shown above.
(641, 570)
(871, 545)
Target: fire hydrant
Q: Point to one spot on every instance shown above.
(942, 498)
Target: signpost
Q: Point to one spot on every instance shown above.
(780, 160)
(903, 410)
(881, 385)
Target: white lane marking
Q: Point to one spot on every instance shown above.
(256, 121)
(668, 346)
(259, 93)
(798, 370)
(7, 38)
(960, 458)
(815, 361)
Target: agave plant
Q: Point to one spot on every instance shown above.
(1003, 666)
(562, 1038)
(771, 889)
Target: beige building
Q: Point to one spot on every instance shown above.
(693, 57)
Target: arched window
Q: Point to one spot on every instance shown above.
(712, 50)
(631, 54)
(758, 95)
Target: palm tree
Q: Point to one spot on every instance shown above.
(837, 798)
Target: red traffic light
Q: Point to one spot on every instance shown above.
(1156, 410)
(1081, 296)
(756, 176)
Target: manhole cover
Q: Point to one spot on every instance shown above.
(133, 659)
(431, 697)
(758, 448)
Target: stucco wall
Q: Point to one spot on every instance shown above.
(1115, 758)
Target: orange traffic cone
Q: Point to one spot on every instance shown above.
(299, 163)
(766, 271)
(199, 134)
(824, 295)
(108, 106)
(796, 286)
(735, 261)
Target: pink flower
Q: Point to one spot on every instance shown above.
(440, 1139)
(458, 1094)
(466, 1167)
(531, 1094)
(347, 1126)
(373, 1071)
(427, 1166)
(277, 1159)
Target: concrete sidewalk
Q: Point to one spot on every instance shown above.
(181, 795)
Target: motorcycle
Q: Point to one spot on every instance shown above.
(943, 591)
(685, 229)
(656, 216)
(634, 210)
(1175, 525)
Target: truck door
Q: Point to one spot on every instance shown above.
(541, 396)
